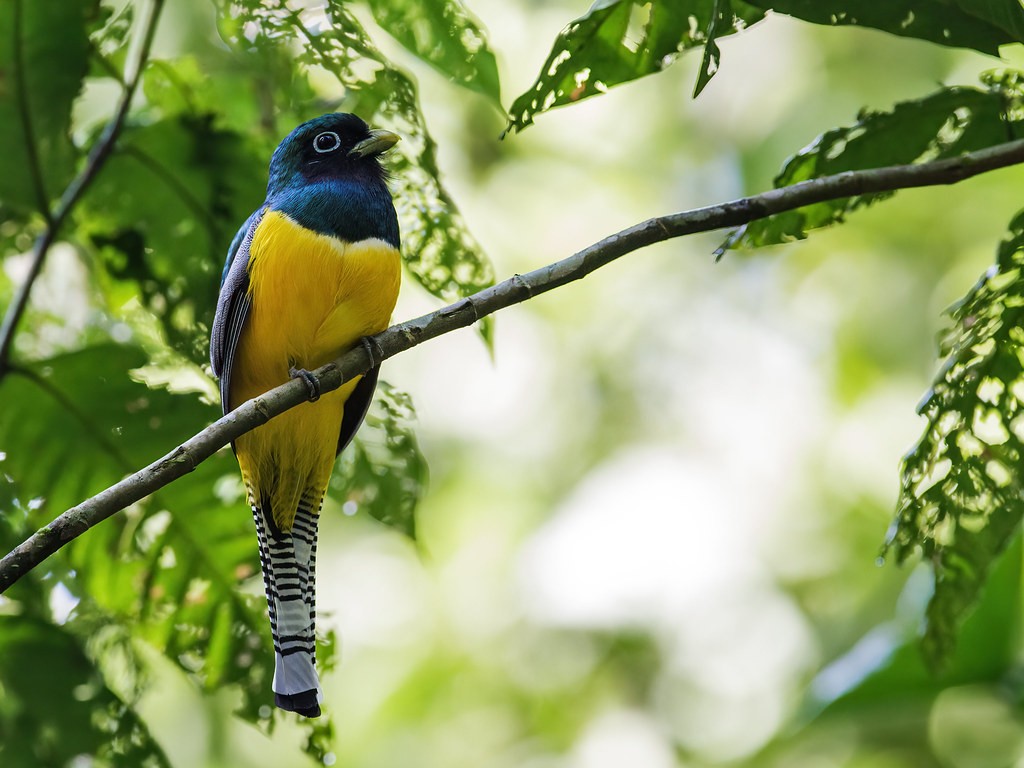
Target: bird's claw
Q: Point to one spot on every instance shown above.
(369, 343)
(311, 382)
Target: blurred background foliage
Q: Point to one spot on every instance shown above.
(657, 498)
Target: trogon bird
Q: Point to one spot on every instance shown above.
(312, 272)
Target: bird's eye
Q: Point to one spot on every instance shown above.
(327, 141)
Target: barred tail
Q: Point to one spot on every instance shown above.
(288, 559)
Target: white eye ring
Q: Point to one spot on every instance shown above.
(325, 142)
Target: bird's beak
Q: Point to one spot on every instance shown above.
(379, 141)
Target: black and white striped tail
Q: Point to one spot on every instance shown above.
(288, 559)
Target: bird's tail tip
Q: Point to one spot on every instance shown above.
(306, 703)
(296, 684)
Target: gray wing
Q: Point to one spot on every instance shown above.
(232, 306)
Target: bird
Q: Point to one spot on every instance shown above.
(314, 271)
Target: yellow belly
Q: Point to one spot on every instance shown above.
(313, 296)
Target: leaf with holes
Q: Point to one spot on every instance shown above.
(183, 568)
(616, 42)
(438, 248)
(445, 35)
(947, 123)
(960, 490)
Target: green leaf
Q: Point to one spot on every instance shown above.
(220, 89)
(167, 245)
(108, 424)
(947, 123)
(960, 489)
(886, 669)
(183, 569)
(383, 472)
(172, 565)
(110, 31)
(616, 42)
(445, 35)
(43, 60)
(983, 25)
(439, 251)
(56, 709)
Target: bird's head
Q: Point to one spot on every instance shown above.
(336, 145)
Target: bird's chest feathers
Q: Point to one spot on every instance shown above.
(314, 295)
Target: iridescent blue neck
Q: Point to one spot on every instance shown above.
(351, 209)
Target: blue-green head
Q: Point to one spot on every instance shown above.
(327, 175)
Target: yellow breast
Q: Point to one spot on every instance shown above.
(313, 296)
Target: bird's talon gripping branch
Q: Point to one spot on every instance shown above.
(311, 382)
(368, 343)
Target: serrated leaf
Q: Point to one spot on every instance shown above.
(960, 489)
(947, 123)
(43, 60)
(616, 42)
(445, 35)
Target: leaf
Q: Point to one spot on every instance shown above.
(960, 489)
(42, 63)
(171, 566)
(184, 570)
(886, 670)
(445, 35)
(90, 424)
(983, 25)
(619, 41)
(168, 245)
(219, 89)
(437, 246)
(56, 707)
(947, 123)
(383, 472)
(110, 31)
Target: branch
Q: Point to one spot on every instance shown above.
(55, 220)
(399, 338)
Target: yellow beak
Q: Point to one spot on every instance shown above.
(379, 141)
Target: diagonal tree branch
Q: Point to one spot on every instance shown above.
(55, 219)
(518, 288)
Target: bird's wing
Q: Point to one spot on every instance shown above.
(356, 406)
(232, 306)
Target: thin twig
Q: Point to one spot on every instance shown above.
(55, 220)
(518, 288)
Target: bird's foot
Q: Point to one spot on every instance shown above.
(311, 382)
(369, 343)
